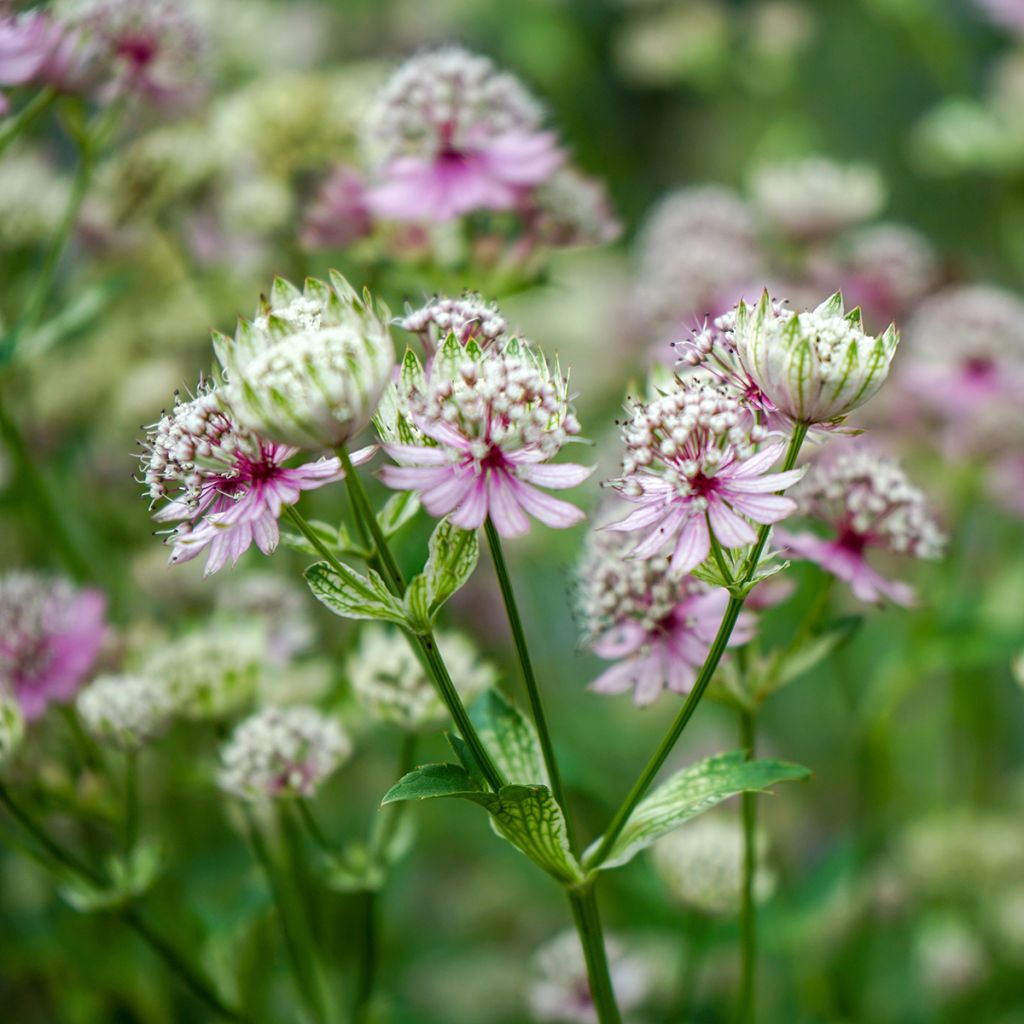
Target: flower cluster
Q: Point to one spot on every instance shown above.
(817, 365)
(452, 134)
(224, 486)
(308, 370)
(869, 503)
(126, 711)
(573, 209)
(211, 672)
(467, 317)
(282, 752)
(50, 637)
(34, 48)
(390, 682)
(656, 625)
(488, 422)
(691, 464)
(12, 726)
(702, 865)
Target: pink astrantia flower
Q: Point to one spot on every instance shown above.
(468, 318)
(690, 461)
(869, 502)
(455, 135)
(655, 625)
(338, 216)
(224, 486)
(34, 48)
(50, 636)
(487, 422)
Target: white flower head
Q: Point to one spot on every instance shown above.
(126, 711)
(309, 369)
(12, 726)
(817, 365)
(391, 684)
(279, 753)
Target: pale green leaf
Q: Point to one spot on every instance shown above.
(353, 596)
(511, 739)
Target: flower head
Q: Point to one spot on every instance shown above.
(338, 216)
(309, 370)
(869, 502)
(813, 196)
(468, 318)
(572, 209)
(560, 991)
(701, 864)
(453, 134)
(126, 711)
(50, 636)
(12, 726)
(274, 601)
(690, 462)
(815, 366)
(34, 47)
(282, 752)
(656, 625)
(223, 485)
(391, 684)
(209, 673)
(477, 430)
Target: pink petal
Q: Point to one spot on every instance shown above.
(446, 496)
(472, 511)
(757, 464)
(646, 515)
(550, 511)
(418, 455)
(765, 484)
(412, 478)
(663, 533)
(693, 546)
(503, 508)
(731, 530)
(557, 477)
(763, 508)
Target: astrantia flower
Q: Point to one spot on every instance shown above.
(813, 196)
(1008, 14)
(815, 366)
(308, 371)
(211, 672)
(868, 501)
(560, 990)
(690, 460)
(338, 216)
(33, 48)
(276, 602)
(126, 711)
(701, 864)
(571, 209)
(154, 49)
(282, 752)
(50, 636)
(224, 486)
(390, 682)
(487, 423)
(656, 625)
(12, 726)
(452, 135)
(467, 317)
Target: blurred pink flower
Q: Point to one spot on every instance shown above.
(338, 216)
(869, 502)
(50, 636)
(224, 486)
(1008, 14)
(690, 461)
(35, 48)
(487, 429)
(453, 135)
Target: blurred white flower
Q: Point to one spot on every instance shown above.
(126, 711)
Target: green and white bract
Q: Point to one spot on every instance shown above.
(815, 366)
(309, 369)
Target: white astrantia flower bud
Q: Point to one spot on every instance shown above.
(12, 726)
(701, 864)
(126, 711)
(817, 365)
(282, 752)
(390, 683)
(309, 369)
(211, 672)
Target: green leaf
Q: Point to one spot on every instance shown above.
(452, 559)
(815, 650)
(326, 533)
(511, 739)
(527, 816)
(690, 792)
(397, 511)
(129, 879)
(352, 595)
(466, 758)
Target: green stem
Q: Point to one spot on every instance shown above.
(425, 645)
(299, 946)
(588, 925)
(16, 124)
(529, 678)
(703, 680)
(131, 802)
(178, 965)
(748, 910)
(719, 554)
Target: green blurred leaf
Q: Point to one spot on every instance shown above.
(690, 792)
(129, 879)
(397, 511)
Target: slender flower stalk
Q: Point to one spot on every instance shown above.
(748, 909)
(529, 679)
(588, 925)
(732, 612)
